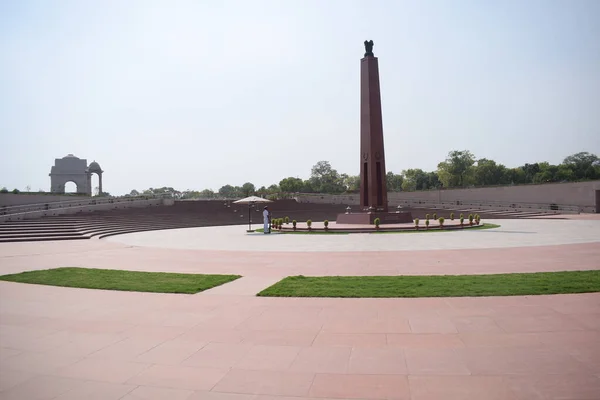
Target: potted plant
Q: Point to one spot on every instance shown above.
(377, 222)
(441, 220)
(477, 219)
(417, 223)
(326, 223)
(462, 220)
(287, 220)
(294, 224)
(434, 215)
(470, 219)
(309, 224)
(461, 215)
(426, 216)
(452, 216)
(427, 224)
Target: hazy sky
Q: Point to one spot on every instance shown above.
(198, 94)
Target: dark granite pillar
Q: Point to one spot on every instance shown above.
(373, 187)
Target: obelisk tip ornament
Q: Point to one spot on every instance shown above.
(369, 48)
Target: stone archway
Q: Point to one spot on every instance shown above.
(70, 187)
(94, 168)
(76, 170)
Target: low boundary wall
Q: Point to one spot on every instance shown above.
(571, 197)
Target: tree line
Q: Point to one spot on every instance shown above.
(459, 170)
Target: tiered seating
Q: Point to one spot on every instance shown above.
(492, 213)
(183, 214)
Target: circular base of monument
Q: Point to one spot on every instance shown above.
(336, 227)
(511, 233)
(385, 218)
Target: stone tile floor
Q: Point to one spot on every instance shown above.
(511, 233)
(227, 344)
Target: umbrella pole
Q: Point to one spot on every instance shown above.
(249, 217)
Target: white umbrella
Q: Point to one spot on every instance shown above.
(251, 201)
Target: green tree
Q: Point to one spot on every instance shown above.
(530, 171)
(456, 169)
(487, 172)
(307, 187)
(262, 191)
(515, 176)
(433, 180)
(209, 193)
(204, 194)
(4, 190)
(414, 179)
(547, 173)
(227, 191)
(163, 191)
(190, 194)
(565, 173)
(134, 193)
(248, 189)
(325, 179)
(351, 183)
(291, 185)
(583, 165)
(394, 181)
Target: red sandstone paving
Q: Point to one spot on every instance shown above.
(100, 254)
(225, 344)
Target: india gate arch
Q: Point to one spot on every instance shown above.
(74, 169)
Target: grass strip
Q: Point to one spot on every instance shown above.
(437, 285)
(313, 232)
(131, 281)
(420, 230)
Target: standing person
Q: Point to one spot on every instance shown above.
(267, 220)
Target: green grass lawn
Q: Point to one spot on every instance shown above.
(436, 225)
(421, 230)
(132, 281)
(261, 230)
(437, 285)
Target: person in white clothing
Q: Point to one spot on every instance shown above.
(267, 220)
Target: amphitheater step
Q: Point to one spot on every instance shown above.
(38, 227)
(13, 232)
(526, 214)
(36, 234)
(41, 238)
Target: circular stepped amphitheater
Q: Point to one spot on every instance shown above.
(187, 214)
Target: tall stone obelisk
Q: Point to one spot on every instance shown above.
(373, 187)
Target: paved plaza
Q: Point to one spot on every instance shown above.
(228, 344)
(511, 233)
